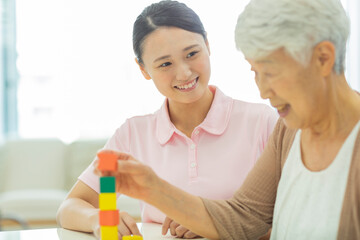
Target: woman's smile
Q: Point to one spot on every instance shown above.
(188, 86)
(283, 110)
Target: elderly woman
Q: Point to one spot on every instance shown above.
(306, 184)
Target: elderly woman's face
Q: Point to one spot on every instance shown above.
(296, 92)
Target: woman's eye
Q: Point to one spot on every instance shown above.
(191, 54)
(165, 64)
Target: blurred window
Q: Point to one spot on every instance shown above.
(78, 77)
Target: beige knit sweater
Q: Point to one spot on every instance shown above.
(248, 214)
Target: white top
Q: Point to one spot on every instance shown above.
(308, 204)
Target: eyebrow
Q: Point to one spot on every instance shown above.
(190, 47)
(264, 61)
(184, 50)
(161, 58)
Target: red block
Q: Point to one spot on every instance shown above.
(109, 218)
(107, 161)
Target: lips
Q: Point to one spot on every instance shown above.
(188, 85)
(283, 110)
(282, 107)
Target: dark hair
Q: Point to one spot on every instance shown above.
(164, 13)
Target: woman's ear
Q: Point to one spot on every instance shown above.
(142, 69)
(325, 54)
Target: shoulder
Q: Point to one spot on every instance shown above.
(142, 120)
(283, 134)
(282, 139)
(130, 130)
(250, 108)
(136, 124)
(356, 152)
(255, 112)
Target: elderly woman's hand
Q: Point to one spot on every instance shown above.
(133, 178)
(177, 229)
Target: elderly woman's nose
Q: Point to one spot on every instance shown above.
(183, 72)
(264, 87)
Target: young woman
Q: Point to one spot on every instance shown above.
(199, 140)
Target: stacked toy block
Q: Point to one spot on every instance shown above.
(109, 215)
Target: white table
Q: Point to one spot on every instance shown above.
(148, 230)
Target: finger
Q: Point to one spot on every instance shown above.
(126, 163)
(180, 231)
(119, 155)
(122, 227)
(166, 225)
(173, 226)
(96, 170)
(110, 156)
(130, 223)
(190, 234)
(102, 173)
(130, 166)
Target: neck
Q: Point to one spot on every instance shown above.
(187, 116)
(340, 110)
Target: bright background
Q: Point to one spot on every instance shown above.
(78, 77)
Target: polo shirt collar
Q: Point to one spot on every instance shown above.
(215, 123)
(164, 127)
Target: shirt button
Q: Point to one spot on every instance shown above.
(193, 165)
(192, 146)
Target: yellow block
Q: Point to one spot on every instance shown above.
(107, 201)
(132, 237)
(109, 232)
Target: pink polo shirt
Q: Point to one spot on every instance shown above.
(213, 163)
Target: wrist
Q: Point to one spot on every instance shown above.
(157, 192)
(94, 220)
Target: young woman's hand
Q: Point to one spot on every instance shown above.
(133, 178)
(177, 229)
(126, 227)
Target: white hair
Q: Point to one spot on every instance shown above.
(294, 25)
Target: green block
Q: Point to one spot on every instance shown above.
(107, 184)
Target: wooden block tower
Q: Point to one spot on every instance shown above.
(109, 215)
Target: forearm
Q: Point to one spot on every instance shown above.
(184, 208)
(77, 214)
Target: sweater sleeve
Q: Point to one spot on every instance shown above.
(248, 214)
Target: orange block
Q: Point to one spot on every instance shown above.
(109, 218)
(107, 161)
